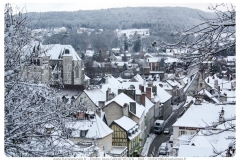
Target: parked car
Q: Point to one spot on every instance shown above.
(171, 139)
(163, 149)
(166, 131)
(162, 152)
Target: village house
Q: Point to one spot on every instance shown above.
(126, 133)
(223, 89)
(133, 90)
(204, 143)
(91, 96)
(198, 116)
(176, 92)
(88, 129)
(122, 105)
(157, 95)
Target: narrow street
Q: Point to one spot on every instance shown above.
(159, 139)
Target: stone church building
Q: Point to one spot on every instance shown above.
(59, 64)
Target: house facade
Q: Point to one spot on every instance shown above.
(126, 133)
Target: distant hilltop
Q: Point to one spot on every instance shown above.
(156, 18)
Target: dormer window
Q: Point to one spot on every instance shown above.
(83, 133)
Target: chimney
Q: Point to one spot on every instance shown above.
(107, 94)
(222, 111)
(216, 84)
(161, 85)
(165, 76)
(142, 89)
(218, 88)
(148, 92)
(150, 84)
(143, 99)
(106, 80)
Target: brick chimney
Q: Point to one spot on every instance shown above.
(108, 91)
(150, 84)
(143, 99)
(218, 88)
(148, 92)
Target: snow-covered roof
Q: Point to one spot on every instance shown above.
(162, 95)
(127, 55)
(172, 83)
(178, 84)
(130, 32)
(193, 151)
(119, 64)
(118, 150)
(138, 78)
(171, 60)
(89, 53)
(122, 98)
(95, 128)
(205, 92)
(155, 72)
(184, 50)
(126, 123)
(153, 59)
(86, 77)
(165, 86)
(217, 140)
(115, 49)
(231, 58)
(95, 95)
(128, 85)
(119, 58)
(199, 115)
(225, 86)
(57, 50)
(186, 80)
(148, 105)
(147, 54)
(207, 62)
(112, 83)
(96, 64)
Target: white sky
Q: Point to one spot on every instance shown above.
(73, 5)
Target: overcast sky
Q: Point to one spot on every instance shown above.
(73, 5)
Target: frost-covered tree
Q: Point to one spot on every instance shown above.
(34, 118)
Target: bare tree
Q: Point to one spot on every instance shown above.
(213, 36)
(34, 118)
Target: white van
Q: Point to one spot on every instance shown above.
(158, 126)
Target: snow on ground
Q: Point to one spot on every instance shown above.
(147, 144)
(131, 32)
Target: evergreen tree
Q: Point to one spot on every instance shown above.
(137, 45)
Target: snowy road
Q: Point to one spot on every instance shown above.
(159, 139)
